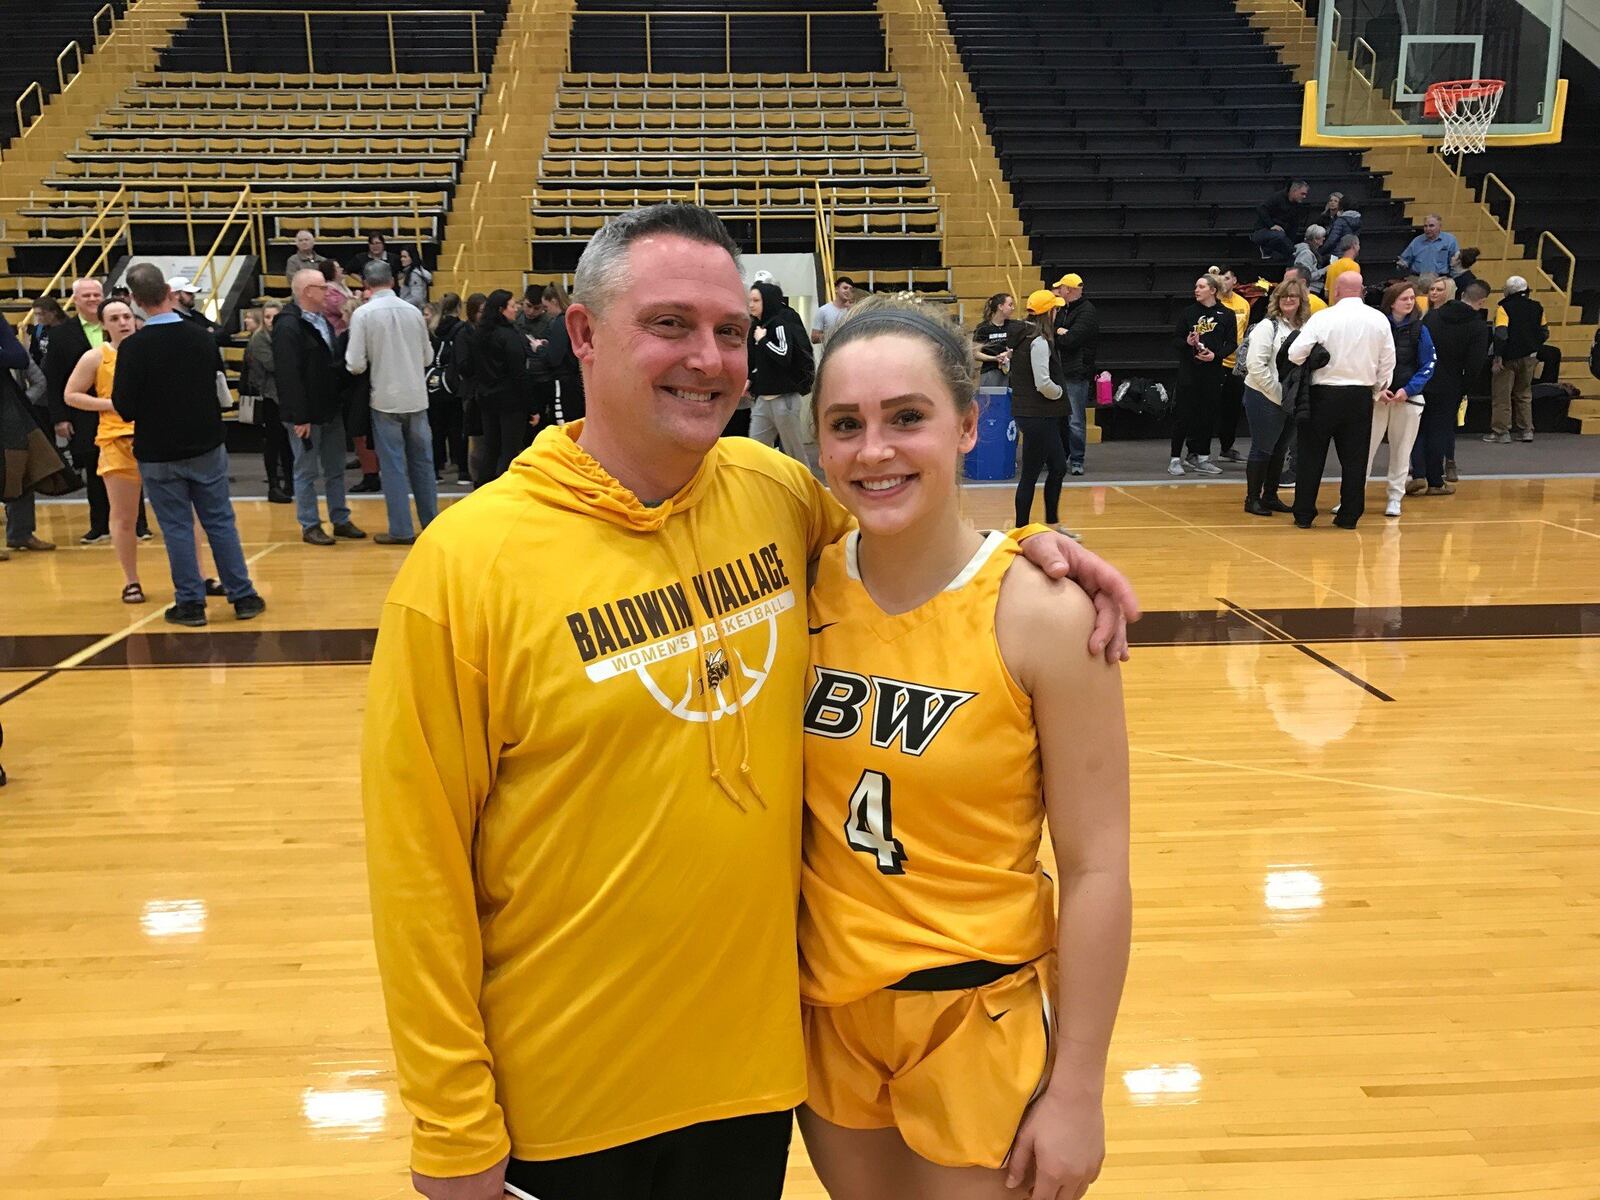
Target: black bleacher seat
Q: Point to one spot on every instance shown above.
(846, 35)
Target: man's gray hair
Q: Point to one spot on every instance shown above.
(378, 274)
(1349, 243)
(1316, 233)
(603, 269)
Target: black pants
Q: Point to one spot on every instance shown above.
(738, 425)
(1194, 415)
(1438, 423)
(276, 454)
(1042, 450)
(446, 420)
(86, 458)
(1230, 407)
(506, 434)
(1342, 416)
(742, 1158)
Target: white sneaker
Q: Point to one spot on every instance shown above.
(1204, 466)
(1392, 509)
(1175, 467)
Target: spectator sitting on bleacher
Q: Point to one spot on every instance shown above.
(1308, 256)
(377, 251)
(1280, 218)
(412, 280)
(305, 256)
(1339, 221)
(1431, 250)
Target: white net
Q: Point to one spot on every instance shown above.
(1467, 111)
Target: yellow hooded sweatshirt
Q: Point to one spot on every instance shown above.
(581, 773)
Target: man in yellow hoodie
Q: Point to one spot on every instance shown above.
(582, 768)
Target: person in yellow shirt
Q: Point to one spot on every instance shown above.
(950, 714)
(581, 768)
(1231, 406)
(1348, 251)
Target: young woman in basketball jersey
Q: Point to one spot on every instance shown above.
(951, 713)
(89, 388)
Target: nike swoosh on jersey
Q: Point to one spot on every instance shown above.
(999, 1014)
(813, 630)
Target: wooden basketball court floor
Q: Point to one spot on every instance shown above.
(1366, 862)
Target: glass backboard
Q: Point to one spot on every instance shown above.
(1376, 59)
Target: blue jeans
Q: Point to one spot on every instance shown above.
(1073, 425)
(404, 442)
(324, 460)
(181, 491)
(20, 519)
(1267, 422)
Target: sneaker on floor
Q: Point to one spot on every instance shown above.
(95, 537)
(250, 606)
(1202, 465)
(388, 539)
(1175, 467)
(1525, 436)
(1446, 490)
(144, 535)
(1392, 509)
(214, 588)
(1065, 532)
(316, 535)
(369, 484)
(1075, 468)
(1503, 438)
(1232, 456)
(1416, 487)
(1450, 475)
(349, 531)
(278, 496)
(31, 542)
(191, 614)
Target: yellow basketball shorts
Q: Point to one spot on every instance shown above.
(116, 457)
(951, 1071)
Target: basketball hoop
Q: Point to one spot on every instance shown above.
(1467, 108)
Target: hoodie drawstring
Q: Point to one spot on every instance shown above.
(738, 702)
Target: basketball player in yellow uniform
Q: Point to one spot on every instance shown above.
(89, 388)
(956, 1031)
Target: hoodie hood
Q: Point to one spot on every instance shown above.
(773, 302)
(1457, 313)
(564, 475)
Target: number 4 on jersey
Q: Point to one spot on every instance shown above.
(870, 826)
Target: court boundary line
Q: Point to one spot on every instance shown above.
(1361, 783)
(78, 657)
(1306, 579)
(1284, 638)
(1568, 528)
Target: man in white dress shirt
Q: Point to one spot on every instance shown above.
(1360, 346)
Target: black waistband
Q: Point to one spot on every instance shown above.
(956, 977)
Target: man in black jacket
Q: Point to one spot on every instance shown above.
(1461, 347)
(70, 340)
(782, 368)
(166, 384)
(1077, 345)
(1519, 331)
(1280, 220)
(310, 380)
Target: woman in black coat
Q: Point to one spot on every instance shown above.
(503, 378)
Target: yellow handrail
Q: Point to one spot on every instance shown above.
(110, 14)
(1511, 209)
(70, 264)
(61, 69)
(1572, 263)
(22, 125)
(727, 28)
(305, 15)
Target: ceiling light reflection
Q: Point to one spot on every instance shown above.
(173, 918)
(1177, 1084)
(1293, 891)
(355, 1110)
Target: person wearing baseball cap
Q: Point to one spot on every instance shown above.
(184, 291)
(1038, 408)
(1077, 344)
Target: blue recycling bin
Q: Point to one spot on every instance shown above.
(995, 454)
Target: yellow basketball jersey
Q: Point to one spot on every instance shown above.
(112, 424)
(923, 805)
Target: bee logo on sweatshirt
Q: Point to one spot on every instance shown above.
(651, 634)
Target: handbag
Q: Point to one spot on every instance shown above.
(248, 410)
